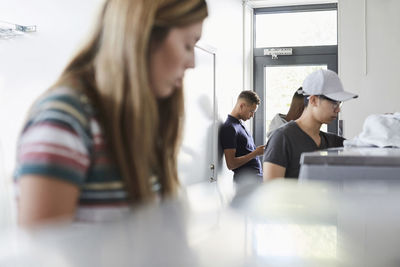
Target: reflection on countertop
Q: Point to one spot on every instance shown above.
(280, 223)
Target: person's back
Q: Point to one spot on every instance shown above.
(295, 110)
(277, 121)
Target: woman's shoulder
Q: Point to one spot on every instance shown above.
(62, 96)
(62, 102)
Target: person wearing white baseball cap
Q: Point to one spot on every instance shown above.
(324, 95)
(326, 83)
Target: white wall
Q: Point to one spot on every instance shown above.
(223, 30)
(31, 63)
(371, 68)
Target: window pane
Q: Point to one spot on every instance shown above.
(280, 85)
(296, 29)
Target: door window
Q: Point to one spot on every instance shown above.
(311, 33)
(282, 82)
(296, 29)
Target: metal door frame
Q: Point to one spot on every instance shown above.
(323, 55)
(306, 55)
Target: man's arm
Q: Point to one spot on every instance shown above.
(276, 158)
(234, 162)
(272, 171)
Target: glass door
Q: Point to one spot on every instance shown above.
(309, 32)
(276, 80)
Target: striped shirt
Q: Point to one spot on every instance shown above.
(62, 139)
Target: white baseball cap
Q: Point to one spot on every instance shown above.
(327, 83)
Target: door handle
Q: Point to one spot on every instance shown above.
(212, 168)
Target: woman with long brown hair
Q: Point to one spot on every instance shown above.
(105, 137)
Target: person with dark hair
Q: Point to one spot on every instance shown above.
(295, 110)
(105, 137)
(324, 95)
(241, 154)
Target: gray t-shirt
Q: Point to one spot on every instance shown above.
(278, 121)
(286, 144)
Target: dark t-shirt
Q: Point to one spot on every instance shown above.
(285, 146)
(233, 135)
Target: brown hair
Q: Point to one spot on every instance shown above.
(296, 106)
(142, 132)
(250, 96)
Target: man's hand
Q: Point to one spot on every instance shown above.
(233, 162)
(260, 150)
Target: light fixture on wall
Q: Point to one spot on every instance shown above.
(10, 30)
